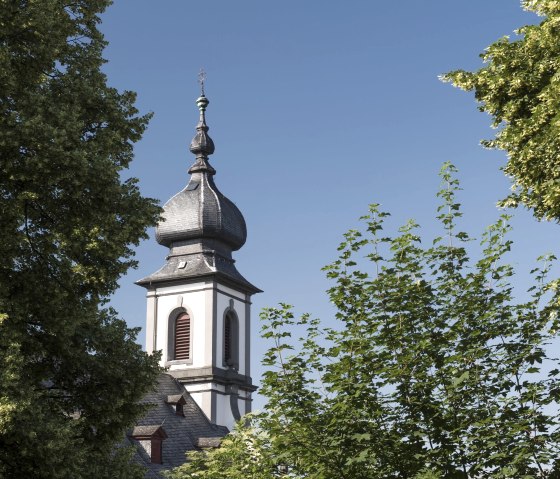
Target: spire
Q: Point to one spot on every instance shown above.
(202, 145)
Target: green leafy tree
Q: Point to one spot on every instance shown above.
(434, 369)
(520, 88)
(244, 454)
(71, 373)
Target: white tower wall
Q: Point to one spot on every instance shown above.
(205, 373)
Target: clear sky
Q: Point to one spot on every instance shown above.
(317, 108)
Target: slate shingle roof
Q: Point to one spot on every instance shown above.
(200, 210)
(200, 225)
(184, 433)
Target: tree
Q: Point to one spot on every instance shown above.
(520, 88)
(434, 370)
(71, 374)
(245, 453)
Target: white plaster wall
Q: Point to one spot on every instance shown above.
(184, 288)
(231, 292)
(203, 400)
(150, 318)
(224, 416)
(196, 298)
(204, 387)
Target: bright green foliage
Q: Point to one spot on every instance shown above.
(520, 88)
(433, 371)
(244, 454)
(70, 371)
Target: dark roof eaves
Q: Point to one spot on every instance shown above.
(244, 285)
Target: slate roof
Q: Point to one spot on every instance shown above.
(200, 210)
(184, 433)
(200, 225)
(198, 266)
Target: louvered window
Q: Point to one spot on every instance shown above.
(183, 337)
(228, 340)
(231, 334)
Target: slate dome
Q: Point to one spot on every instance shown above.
(200, 211)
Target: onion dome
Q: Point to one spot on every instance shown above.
(200, 211)
(199, 225)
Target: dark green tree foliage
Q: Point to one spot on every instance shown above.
(520, 88)
(70, 371)
(435, 370)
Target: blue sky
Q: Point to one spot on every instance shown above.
(317, 108)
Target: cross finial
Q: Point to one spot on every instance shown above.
(201, 80)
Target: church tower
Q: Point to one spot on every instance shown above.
(199, 306)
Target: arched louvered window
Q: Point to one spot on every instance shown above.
(182, 337)
(227, 339)
(231, 335)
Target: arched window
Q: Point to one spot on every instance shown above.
(231, 340)
(182, 337)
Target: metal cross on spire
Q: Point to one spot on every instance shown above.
(201, 80)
